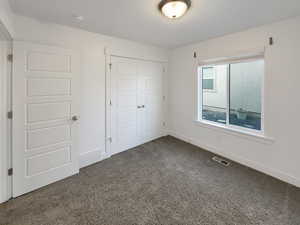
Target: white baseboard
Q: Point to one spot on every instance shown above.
(91, 157)
(97, 155)
(254, 165)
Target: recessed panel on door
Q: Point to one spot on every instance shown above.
(48, 136)
(137, 109)
(124, 108)
(43, 162)
(45, 98)
(48, 87)
(48, 62)
(46, 111)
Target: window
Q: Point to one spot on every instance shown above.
(208, 84)
(209, 79)
(237, 100)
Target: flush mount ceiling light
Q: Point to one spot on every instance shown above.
(174, 8)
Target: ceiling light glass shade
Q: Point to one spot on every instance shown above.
(174, 8)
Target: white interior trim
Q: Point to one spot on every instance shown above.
(108, 51)
(250, 135)
(4, 33)
(94, 156)
(235, 55)
(108, 54)
(107, 104)
(233, 59)
(5, 124)
(229, 128)
(254, 165)
(91, 157)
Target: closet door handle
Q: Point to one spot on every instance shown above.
(139, 106)
(143, 106)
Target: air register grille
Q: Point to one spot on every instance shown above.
(220, 160)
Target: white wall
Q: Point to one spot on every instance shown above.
(6, 16)
(91, 47)
(279, 158)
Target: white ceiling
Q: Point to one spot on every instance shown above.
(140, 20)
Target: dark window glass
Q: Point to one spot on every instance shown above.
(208, 84)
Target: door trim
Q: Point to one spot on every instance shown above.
(107, 105)
(5, 124)
(108, 54)
(65, 148)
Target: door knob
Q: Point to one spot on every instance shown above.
(75, 118)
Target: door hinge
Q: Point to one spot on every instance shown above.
(10, 115)
(10, 171)
(271, 41)
(110, 65)
(10, 57)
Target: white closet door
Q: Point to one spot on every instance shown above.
(124, 108)
(45, 110)
(151, 99)
(137, 108)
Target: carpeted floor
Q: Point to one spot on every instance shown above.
(166, 181)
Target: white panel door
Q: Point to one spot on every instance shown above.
(151, 99)
(45, 114)
(137, 107)
(124, 111)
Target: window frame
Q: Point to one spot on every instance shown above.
(229, 126)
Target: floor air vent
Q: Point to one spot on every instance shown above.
(224, 162)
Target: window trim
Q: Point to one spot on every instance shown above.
(255, 136)
(228, 126)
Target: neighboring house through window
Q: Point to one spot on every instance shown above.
(209, 79)
(231, 93)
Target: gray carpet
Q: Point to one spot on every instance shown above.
(166, 181)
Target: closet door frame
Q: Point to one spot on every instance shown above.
(109, 53)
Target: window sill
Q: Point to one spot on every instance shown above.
(258, 137)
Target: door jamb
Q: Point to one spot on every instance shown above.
(5, 123)
(107, 103)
